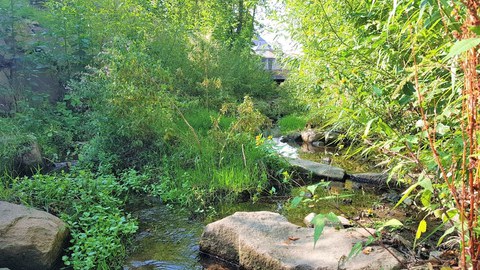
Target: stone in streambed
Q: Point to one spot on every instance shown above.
(266, 240)
(325, 171)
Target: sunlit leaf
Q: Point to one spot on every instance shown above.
(406, 193)
(312, 188)
(426, 198)
(367, 128)
(296, 201)
(462, 46)
(391, 223)
(332, 218)
(422, 227)
(442, 129)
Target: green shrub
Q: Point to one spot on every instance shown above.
(91, 205)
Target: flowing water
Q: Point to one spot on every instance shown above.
(168, 237)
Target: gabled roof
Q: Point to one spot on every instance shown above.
(261, 45)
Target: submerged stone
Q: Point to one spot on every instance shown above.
(379, 180)
(325, 171)
(266, 240)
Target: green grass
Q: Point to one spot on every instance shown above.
(291, 123)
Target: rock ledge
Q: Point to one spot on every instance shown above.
(266, 240)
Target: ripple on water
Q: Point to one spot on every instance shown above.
(167, 239)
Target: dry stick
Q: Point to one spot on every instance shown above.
(244, 158)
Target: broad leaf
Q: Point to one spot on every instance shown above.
(462, 46)
(296, 201)
(391, 223)
(422, 227)
(318, 223)
(312, 188)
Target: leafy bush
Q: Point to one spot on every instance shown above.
(91, 205)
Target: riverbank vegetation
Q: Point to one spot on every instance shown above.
(399, 80)
(167, 99)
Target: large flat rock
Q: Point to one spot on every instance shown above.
(29, 239)
(266, 240)
(321, 170)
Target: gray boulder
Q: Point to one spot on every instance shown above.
(266, 240)
(29, 159)
(29, 239)
(325, 171)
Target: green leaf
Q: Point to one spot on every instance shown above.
(422, 227)
(426, 198)
(332, 218)
(318, 223)
(296, 201)
(356, 249)
(312, 188)
(462, 46)
(447, 232)
(426, 183)
(475, 29)
(406, 193)
(391, 223)
(442, 129)
(377, 91)
(367, 128)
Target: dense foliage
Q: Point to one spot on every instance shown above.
(166, 98)
(399, 79)
(164, 88)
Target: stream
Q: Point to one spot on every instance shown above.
(168, 238)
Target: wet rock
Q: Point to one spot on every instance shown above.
(292, 137)
(266, 240)
(318, 144)
(311, 135)
(29, 239)
(324, 171)
(377, 179)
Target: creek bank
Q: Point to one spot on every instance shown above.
(30, 239)
(266, 240)
(324, 170)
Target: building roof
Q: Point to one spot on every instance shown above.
(261, 45)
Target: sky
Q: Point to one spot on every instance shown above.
(275, 32)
